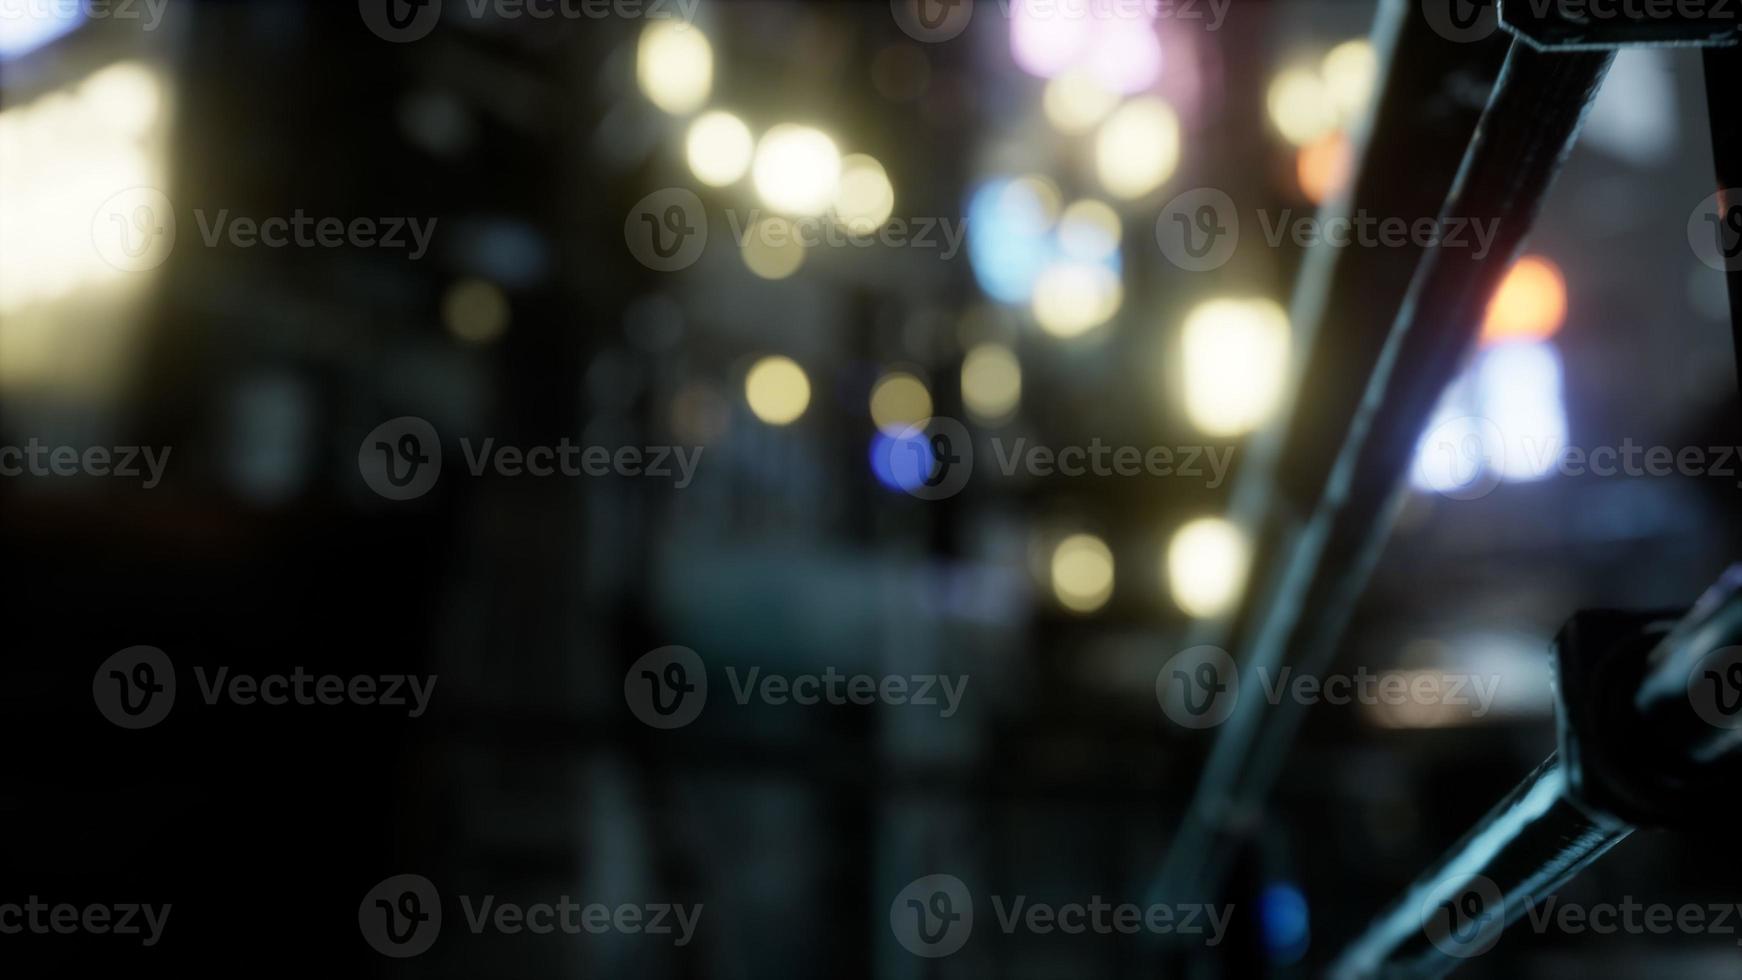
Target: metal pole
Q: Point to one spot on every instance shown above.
(1529, 845)
(1536, 110)
(1627, 721)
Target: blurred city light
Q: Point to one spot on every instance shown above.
(797, 170)
(1302, 107)
(898, 402)
(62, 157)
(1324, 165)
(1236, 363)
(773, 250)
(719, 147)
(1010, 236)
(78, 209)
(475, 311)
(902, 460)
(865, 198)
(1518, 389)
(1138, 147)
(674, 66)
(1350, 70)
(777, 390)
(1082, 573)
(1531, 303)
(1118, 45)
(27, 26)
(1089, 231)
(991, 383)
(1071, 298)
(1076, 101)
(1206, 566)
(1283, 922)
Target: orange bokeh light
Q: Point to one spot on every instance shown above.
(1322, 166)
(1530, 304)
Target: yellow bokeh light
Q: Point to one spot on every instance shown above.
(1082, 573)
(475, 311)
(1206, 566)
(773, 249)
(777, 390)
(797, 170)
(865, 198)
(1089, 231)
(1323, 166)
(991, 382)
(1138, 148)
(718, 147)
(1349, 72)
(898, 402)
(1236, 363)
(674, 65)
(1531, 303)
(1075, 101)
(1301, 106)
(1072, 298)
